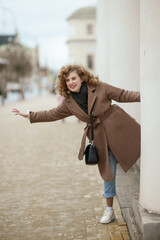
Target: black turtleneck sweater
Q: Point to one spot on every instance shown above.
(81, 97)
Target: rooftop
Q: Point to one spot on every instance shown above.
(83, 13)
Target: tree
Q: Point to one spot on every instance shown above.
(19, 66)
(3, 93)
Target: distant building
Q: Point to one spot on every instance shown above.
(82, 37)
(5, 39)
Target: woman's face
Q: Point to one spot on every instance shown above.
(73, 82)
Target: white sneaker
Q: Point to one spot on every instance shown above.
(108, 216)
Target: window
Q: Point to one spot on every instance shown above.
(89, 29)
(90, 61)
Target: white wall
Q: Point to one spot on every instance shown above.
(150, 106)
(118, 59)
(102, 59)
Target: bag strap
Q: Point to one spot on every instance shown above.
(92, 132)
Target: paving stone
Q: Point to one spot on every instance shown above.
(92, 237)
(46, 192)
(106, 237)
(116, 237)
(121, 223)
(123, 229)
(126, 236)
(113, 227)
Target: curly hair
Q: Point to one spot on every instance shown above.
(64, 72)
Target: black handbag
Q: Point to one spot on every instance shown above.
(91, 157)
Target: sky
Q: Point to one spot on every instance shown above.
(41, 23)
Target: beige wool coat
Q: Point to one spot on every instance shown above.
(113, 127)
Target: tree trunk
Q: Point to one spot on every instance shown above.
(21, 87)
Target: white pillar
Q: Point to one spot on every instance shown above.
(125, 48)
(102, 60)
(150, 105)
(118, 44)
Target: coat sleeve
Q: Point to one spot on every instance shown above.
(54, 114)
(121, 95)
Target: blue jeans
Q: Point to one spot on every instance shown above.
(109, 186)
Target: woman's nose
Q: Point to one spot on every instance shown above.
(70, 81)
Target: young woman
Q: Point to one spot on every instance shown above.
(116, 134)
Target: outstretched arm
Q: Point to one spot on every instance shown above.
(54, 114)
(121, 95)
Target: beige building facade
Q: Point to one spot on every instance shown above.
(82, 37)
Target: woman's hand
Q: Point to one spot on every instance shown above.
(17, 112)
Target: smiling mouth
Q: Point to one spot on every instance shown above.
(73, 86)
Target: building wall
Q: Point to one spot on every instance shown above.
(82, 42)
(78, 29)
(80, 51)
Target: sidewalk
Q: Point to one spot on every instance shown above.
(46, 192)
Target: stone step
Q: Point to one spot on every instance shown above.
(129, 217)
(142, 225)
(148, 223)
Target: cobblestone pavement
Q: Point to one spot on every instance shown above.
(46, 193)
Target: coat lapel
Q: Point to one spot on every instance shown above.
(91, 97)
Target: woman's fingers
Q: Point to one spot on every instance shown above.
(17, 112)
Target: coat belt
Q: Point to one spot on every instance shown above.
(96, 121)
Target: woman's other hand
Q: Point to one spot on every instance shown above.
(17, 112)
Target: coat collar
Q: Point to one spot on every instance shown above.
(91, 100)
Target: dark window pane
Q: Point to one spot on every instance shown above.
(89, 29)
(90, 61)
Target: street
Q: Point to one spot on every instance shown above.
(46, 192)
